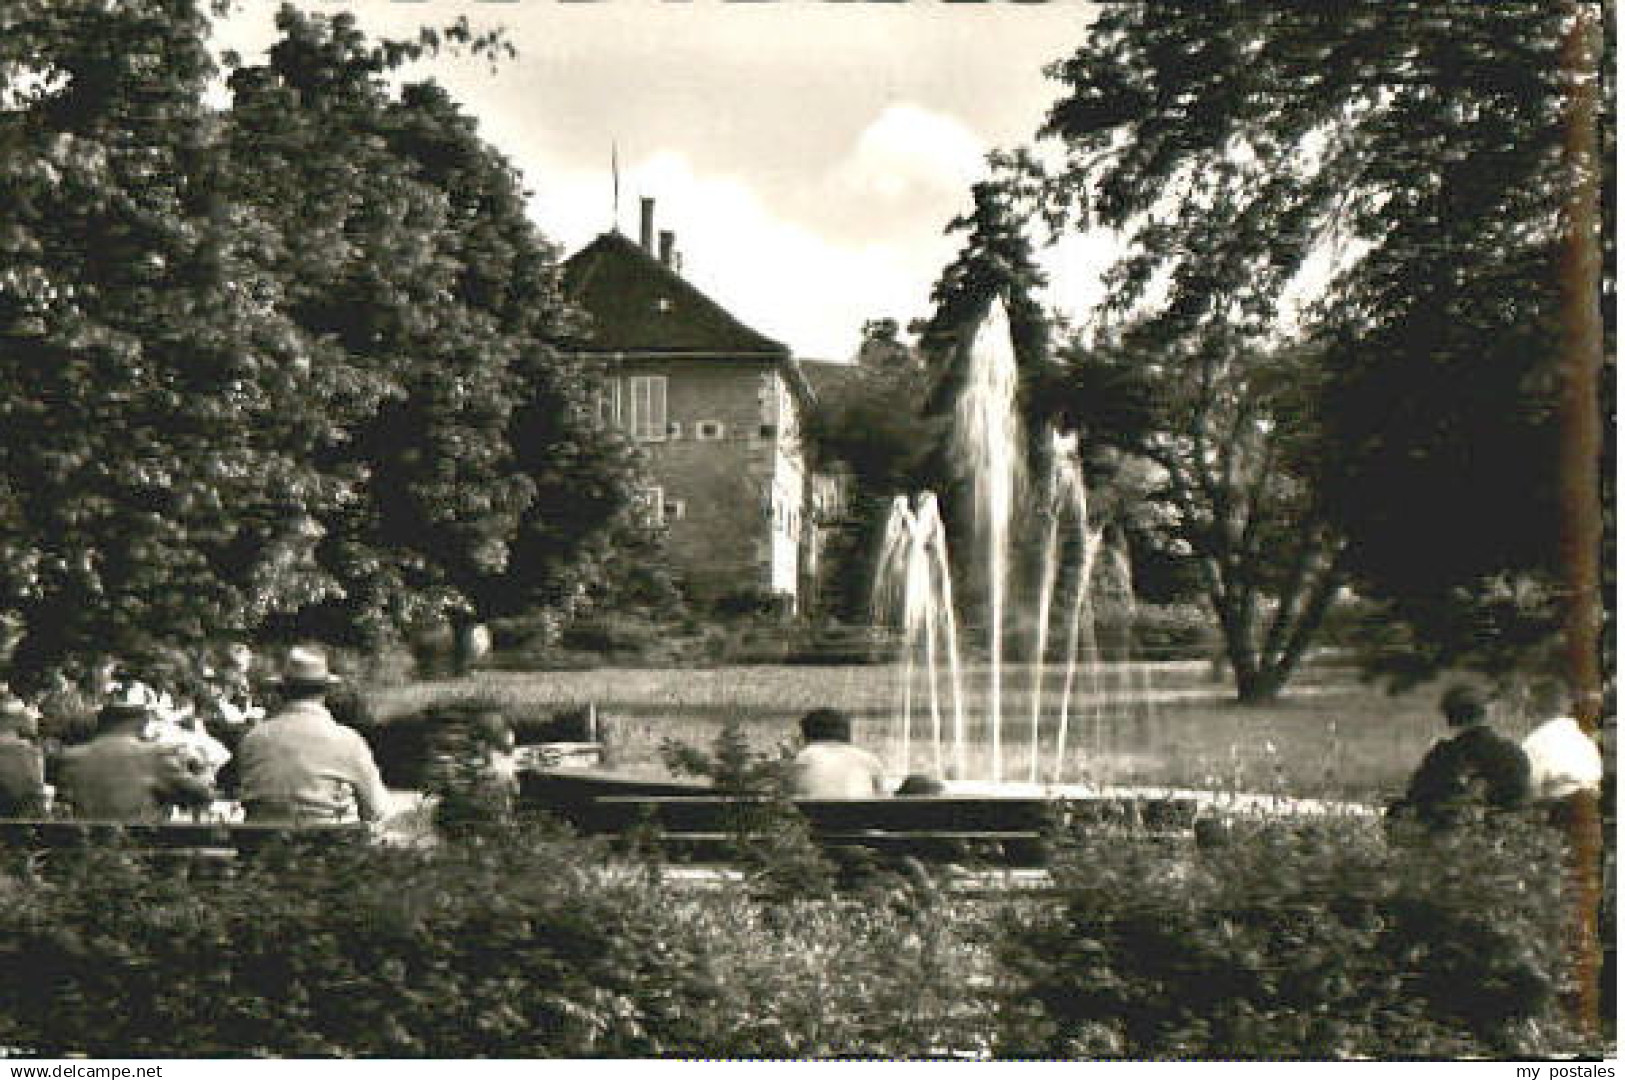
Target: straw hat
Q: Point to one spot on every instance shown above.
(306, 667)
(132, 697)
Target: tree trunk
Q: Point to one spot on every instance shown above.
(1260, 686)
(1262, 673)
(470, 643)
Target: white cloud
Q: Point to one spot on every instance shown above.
(908, 149)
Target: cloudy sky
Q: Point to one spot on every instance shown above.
(806, 153)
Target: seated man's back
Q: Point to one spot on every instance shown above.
(1475, 766)
(836, 770)
(122, 777)
(302, 765)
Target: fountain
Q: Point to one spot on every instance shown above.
(1076, 566)
(950, 715)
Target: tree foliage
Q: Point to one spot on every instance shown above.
(434, 278)
(151, 396)
(288, 366)
(1382, 182)
(871, 425)
(1226, 425)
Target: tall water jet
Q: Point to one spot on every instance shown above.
(988, 447)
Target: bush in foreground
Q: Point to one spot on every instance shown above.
(1321, 941)
(515, 944)
(527, 943)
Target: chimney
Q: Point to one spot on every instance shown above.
(668, 245)
(646, 233)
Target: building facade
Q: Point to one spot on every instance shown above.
(715, 406)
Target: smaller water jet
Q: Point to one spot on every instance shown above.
(914, 580)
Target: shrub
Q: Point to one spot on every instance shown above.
(513, 944)
(1297, 942)
(611, 635)
(471, 949)
(893, 974)
(770, 838)
(1166, 631)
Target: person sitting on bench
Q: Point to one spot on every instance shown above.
(22, 765)
(122, 776)
(829, 766)
(301, 766)
(1474, 768)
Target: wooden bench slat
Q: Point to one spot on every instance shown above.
(930, 813)
(65, 834)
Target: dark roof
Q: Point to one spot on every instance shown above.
(639, 305)
(829, 376)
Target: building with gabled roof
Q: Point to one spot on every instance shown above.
(716, 407)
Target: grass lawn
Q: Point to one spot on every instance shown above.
(1329, 737)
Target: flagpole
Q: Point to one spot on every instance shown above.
(615, 174)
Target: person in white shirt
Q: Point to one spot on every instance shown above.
(829, 766)
(1563, 760)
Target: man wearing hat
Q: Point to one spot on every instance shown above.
(1474, 767)
(22, 765)
(301, 766)
(121, 775)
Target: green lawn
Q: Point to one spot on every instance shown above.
(1330, 736)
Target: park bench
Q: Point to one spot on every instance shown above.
(692, 822)
(169, 839)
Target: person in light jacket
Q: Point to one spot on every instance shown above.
(301, 766)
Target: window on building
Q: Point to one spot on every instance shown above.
(674, 510)
(648, 406)
(708, 429)
(769, 431)
(674, 430)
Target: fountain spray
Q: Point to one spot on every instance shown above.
(987, 441)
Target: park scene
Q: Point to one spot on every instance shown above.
(1171, 619)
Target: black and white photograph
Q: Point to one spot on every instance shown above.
(808, 531)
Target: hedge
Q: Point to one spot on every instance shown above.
(514, 944)
(523, 942)
(1322, 941)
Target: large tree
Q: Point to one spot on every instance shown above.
(1225, 421)
(292, 366)
(486, 484)
(1398, 163)
(158, 411)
